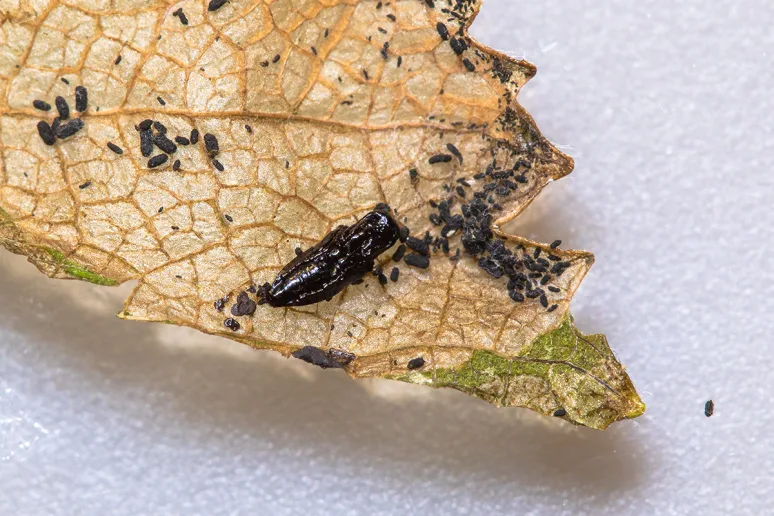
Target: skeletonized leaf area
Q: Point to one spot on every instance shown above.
(212, 141)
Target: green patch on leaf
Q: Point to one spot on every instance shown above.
(562, 369)
(77, 271)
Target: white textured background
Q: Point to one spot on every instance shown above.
(668, 107)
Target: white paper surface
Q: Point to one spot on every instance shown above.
(668, 108)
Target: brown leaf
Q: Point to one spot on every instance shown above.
(321, 110)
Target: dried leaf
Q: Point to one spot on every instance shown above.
(321, 110)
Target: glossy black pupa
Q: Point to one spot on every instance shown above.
(343, 257)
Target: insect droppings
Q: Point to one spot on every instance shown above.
(458, 45)
(709, 408)
(417, 260)
(182, 140)
(146, 143)
(211, 144)
(415, 363)
(560, 412)
(161, 101)
(218, 165)
(81, 99)
(69, 129)
(176, 165)
(41, 105)
(439, 158)
(220, 304)
(442, 31)
(454, 150)
(244, 305)
(418, 245)
(214, 5)
(46, 133)
(165, 144)
(320, 358)
(115, 148)
(394, 274)
(181, 16)
(231, 324)
(62, 107)
(157, 160)
(399, 252)
(194, 136)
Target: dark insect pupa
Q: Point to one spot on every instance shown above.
(343, 257)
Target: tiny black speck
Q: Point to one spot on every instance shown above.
(709, 408)
(84, 185)
(161, 101)
(560, 413)
(217, 164)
